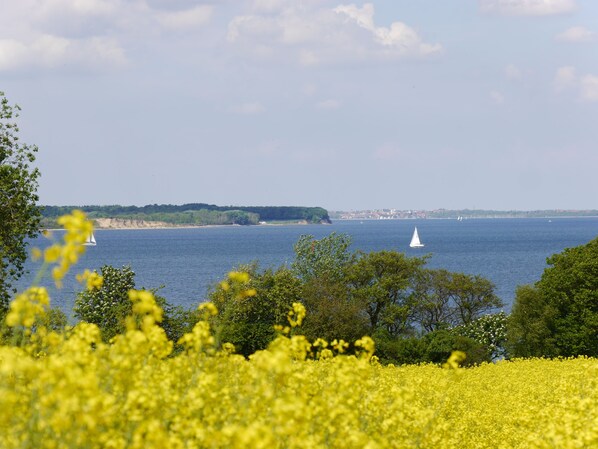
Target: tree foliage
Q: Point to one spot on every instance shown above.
(413, 313)
(383, 282)
(490, 331)
(19, 213)
(559, 315)
(444, 299)
(108, 306)
(326, 258)
(331, 311)
(248, 321)
(195, 213)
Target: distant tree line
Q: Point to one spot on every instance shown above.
(194, 213)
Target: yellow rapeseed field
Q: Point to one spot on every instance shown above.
(73, 391)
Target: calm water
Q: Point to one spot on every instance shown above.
(509, 252)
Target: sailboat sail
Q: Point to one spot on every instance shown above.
(91, 240)
(415, 243)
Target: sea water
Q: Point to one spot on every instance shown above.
(187, 262)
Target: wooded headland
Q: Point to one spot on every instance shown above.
(193, 214)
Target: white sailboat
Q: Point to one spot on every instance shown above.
(91, 240)
(415, 243)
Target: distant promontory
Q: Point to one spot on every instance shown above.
(193, 214)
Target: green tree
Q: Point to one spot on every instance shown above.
(441, 343)
(107, 306)
(559, 315)
(444, 299)
(432, 300)
(490, 331)
(331, 311)
(382, 282)
(327, 257)
(530, 326)
(19, 213)
(248, 321)
(473, 296)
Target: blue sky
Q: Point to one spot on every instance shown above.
(383, 104)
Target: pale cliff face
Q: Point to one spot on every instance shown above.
(121, 223)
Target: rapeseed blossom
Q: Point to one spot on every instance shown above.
(27, 307)
(133, 393)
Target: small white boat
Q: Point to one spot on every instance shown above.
(415, 243)
(91, 240)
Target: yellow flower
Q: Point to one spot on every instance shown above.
(36, 254)
(367, 345)
(296, 314)
(209, 308)
(456, 358)
(27, 307)
(340, 346)
(93, 281)
(144, 304)
(239, 276)
(52, 253)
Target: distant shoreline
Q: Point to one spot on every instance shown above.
(463, 214)
(119, 227)
(548, 217)
(166, 227)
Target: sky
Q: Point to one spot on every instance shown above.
(488, 104)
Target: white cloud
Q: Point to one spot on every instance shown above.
(92, 34)
(308, 58)
(309, 34)
(575, 34)
(12, 54)
(248, 108)
(512, 72)
(565, 78)
(328, 104)
(71, 18)
(497, 97)
(78, 7)
(267, 6)
(527, 7)
(48, 52)
(255, 26)
(187, 18)
(586, 86)
(589, 88)
(399, 35)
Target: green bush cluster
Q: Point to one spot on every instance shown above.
(414, 314)
(108, 306)
(558, 315)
